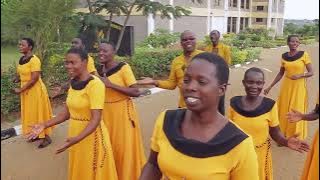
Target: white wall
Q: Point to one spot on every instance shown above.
(218, 23)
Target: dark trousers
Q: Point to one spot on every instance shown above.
(221, 108)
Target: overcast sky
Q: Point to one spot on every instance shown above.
(301, 9)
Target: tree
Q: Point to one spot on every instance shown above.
(126, 7)
(41, 20)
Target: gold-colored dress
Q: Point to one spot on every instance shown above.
(35, 103)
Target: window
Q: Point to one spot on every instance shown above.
(259, 20)
(235, 3)
(246, 22)
(217, 2)
(247, 4)
(229, 24)
(242, 4)
(241, 24)
(234, 24)
(259, 8)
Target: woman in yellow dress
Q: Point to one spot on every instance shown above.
(199, 143)
(258, 116)
(293, 91)
(311, 166)
(90, 152)
(120, 114)
(35, 103)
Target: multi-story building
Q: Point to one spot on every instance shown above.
(223, 15)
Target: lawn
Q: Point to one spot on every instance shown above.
(9, 55)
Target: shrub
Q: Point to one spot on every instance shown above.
(9, 101)
(238, 56)
(253, 53)
(153, 62)
(161, 38)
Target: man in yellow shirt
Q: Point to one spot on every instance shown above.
(219, 48)
(178, 65)
(222, 50)
(78, 43)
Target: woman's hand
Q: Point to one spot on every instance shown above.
(107, 82)
(295, 77)
(68, 142)
(146, 81)
(35, 131)
(294, 116)
(16, 91)
(298, 145)
(266, 91)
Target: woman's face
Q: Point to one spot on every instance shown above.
(200, 88)
(253, 83)
(294, 43)
(188, 41)
(74, 65)
(24, 47)
(106, 53)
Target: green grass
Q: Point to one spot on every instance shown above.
(9, 56)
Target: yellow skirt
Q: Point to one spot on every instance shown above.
(91, 158)
(293, 95)
(35, 107)
(311, 166)
(265, 160)
(125, 134)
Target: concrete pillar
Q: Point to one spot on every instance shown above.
(250, 17)
(226, 15)
(151, 24)
(171, 25)
(209, 16)
(238, 18)
(269, 14)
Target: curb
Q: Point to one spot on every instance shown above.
(240, 65)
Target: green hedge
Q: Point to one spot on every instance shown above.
(9, 102)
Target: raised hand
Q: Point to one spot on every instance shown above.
(295, 77)
(294, 116)
(68, 142)
(35, 131)
(266, 91)
(298, 145)
(146, 81)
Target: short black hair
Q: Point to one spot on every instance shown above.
(30, 42)
(222, 68)
(253, 69)
(104, 41)
(81, 52)
(291, 36)
(185, 31)
(215, 31)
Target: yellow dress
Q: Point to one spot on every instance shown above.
(311, 166)
(293, 94)
(35, 103)
(222, 50)
(90, 66)
(122, 120)
(91, 158)
(228, 156)
(175, 79)
(256, 123)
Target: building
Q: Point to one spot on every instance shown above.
(224, 15)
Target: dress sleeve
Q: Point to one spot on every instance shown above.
(208, 49)
(128, 76)
(96, 94)
(90, 66)
(35, 64)
(247, 168)
(274, 118)
(172, 82)
(156, 132)
(306, 59)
